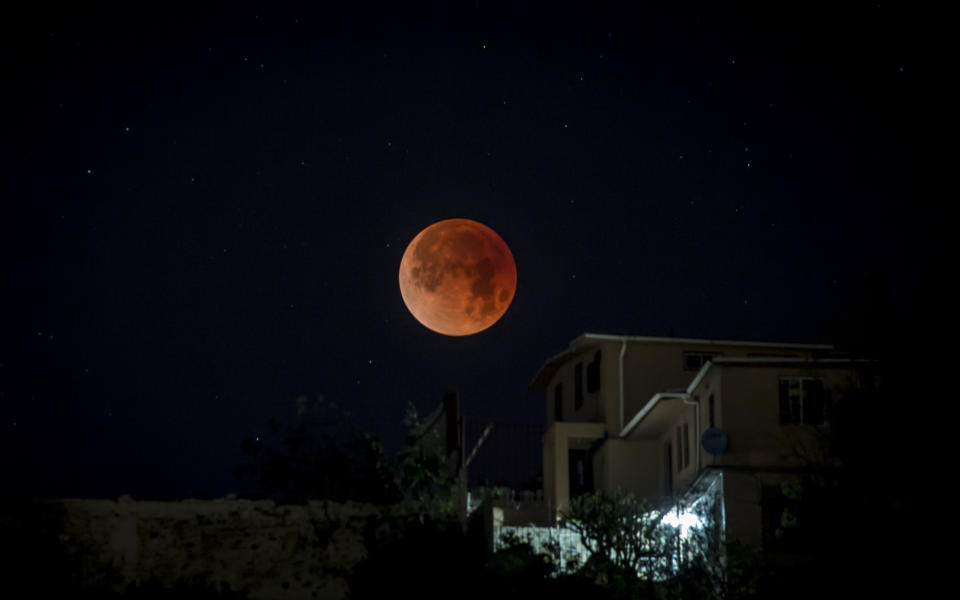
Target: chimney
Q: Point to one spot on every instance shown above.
(453, 425)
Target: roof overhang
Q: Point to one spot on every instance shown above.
(654, 423)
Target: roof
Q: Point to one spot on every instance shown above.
(590, 340)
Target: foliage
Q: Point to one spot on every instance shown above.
(634, 554)
(322, 455)
(428, 558)
(423, 478)
(843, 518)
(623, 535)
(710, 567)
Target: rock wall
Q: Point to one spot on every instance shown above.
(253, 547)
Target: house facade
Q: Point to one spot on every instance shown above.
(671, 418)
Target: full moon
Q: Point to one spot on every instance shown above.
(457, 277)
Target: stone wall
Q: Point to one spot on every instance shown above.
(253, 547)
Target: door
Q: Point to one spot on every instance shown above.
(581, 472)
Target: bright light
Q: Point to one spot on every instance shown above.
(684, 521)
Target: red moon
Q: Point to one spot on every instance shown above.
(457, 277)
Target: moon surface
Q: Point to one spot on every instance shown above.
(457, 277)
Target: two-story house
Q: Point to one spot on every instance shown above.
(668, 418)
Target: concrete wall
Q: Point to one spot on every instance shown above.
(256, 547)
(653, 367)
(650, 367)
(747, 408)
(683, 472)
(557, 441)
(592, 409)
(751, 417)
(631, 466)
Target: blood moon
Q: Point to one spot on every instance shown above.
(457, 277)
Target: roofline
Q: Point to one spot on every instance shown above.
(737, 361)
(771, 361)
(706, 342)
(583, 338)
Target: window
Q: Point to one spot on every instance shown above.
(578, 386)
(558, 402)
(593, 374)
(801, 400)
(694, 361)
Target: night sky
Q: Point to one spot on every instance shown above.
(204, 213)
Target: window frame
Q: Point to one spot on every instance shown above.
(797, 410)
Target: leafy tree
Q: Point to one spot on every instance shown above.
(843, 519)
(322, 455)
(634, 554)
(319, 454)
(423, 478)
(628, 546)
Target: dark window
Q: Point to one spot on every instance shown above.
(558, 402)
(686, 445)
(668, 457)
(593, 374)
(694, 361)
(578, 386)
(580, 472)
(801, 400)
(679, 451)
(813, 394)
(713, 419)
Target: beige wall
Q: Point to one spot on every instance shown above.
(557, 441)
(593, 403)
(747, 407)
(651, 367)
(742, 508)
(683, 476)
(749, 413)
(630, 466)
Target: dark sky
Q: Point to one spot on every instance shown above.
(204, 214)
